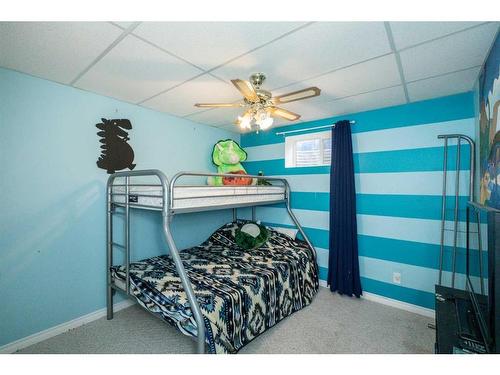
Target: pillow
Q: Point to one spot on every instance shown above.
(290, 232)
(224, 236)
(251, 236)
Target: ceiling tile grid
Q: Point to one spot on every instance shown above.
(407, 34)
(124, 25)
(313, 50)
(356, 79)
(356, 103)
(448, 84)
(57, 51)
(209, 44)
(169, 66)
(457, 51)
(204, 89)
(216, 117)
(135, 70)
(308, 110)
(372, 100)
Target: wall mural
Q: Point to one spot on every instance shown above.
(489, 137)
(116, 153)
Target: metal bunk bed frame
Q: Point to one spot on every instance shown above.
(459, 138)
(168, 212)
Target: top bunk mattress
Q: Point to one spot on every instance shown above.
(196, 197)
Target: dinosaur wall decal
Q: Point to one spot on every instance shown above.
(116, 153)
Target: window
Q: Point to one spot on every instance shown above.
(308, 150)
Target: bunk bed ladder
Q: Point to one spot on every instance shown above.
(174, 252)
(109, 253)
(111, 210)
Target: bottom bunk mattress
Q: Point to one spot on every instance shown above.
(241, 292)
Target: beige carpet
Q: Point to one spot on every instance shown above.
(331, 324)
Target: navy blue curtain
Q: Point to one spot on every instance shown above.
(343, 263)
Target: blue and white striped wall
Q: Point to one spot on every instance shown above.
(398, 163)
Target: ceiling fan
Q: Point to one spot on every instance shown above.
(260, 106)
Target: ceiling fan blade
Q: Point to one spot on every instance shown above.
(246, 89)
(310, 92)
(283, 113)
(217, 105)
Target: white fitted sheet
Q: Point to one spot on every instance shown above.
(187, 197)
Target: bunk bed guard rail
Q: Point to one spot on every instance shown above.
(167, 207)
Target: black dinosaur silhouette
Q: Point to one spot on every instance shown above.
(116, 153)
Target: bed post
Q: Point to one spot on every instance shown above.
(294, 219)
(168, 214)
(198, 316)
(109, 250)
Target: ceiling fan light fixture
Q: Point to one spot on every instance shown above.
(263, 119)
(260, 115)
(260, 105)
(266, 123)
(245, 121)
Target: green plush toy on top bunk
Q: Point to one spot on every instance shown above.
(227, 155)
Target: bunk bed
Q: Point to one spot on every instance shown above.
(218, 293)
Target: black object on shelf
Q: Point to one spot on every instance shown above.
(457, 329)
(468, 321)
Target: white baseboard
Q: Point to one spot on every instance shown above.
(61, 328)
(429, 313)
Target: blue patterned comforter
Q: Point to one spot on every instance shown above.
(241, 292)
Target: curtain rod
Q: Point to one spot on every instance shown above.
(307, 129)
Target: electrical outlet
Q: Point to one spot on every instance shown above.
(396, 277)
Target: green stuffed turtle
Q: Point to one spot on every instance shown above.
(227, 155)
(251, 236)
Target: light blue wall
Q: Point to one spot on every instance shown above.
(52, 217)
(398, 162)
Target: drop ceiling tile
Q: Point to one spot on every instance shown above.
(448, 84)
(407, 34)
(123, 24)
(372, 75)
(307, 109)
(365, 102)
(204, 89)
(209, 44)
(313, 50)
(455, 52)
(282, 122)
(134, 71)
(217, 116)
(232, 128)
(57, 51)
